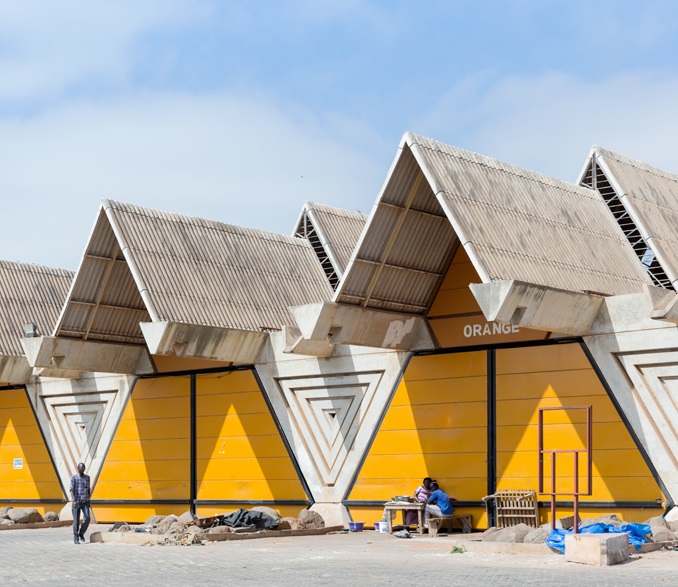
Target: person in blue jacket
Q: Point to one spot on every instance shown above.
(438, 505)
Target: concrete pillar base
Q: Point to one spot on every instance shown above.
(334, 514)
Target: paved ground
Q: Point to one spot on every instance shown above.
(49, 556)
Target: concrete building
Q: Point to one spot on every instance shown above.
(208, 366)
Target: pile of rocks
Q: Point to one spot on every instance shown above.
(10, 516)
(662, 531)
(190, 529)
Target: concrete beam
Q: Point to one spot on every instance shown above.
(664, 304)
(15, 370)
(297, 344)
(329, 324)
(203, 342)
(536, 306)
(61, 355)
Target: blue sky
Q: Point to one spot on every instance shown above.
(240, 111)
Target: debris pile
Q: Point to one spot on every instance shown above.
(188, 529)
(661, 530)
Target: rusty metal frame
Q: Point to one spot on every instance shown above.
(588, 450)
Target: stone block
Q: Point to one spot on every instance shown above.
(511, 534)
(537, 536)
(662, 534)
(270, 512)
(51, 517)
(25, 516)
(656, 521)
(311, 519)
(154, 520)
(188, 517)
(600, 550)
(164, 526)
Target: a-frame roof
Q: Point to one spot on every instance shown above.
(333, 234)
(513, 224)
(645, 201)
(29, 293)
(144, 265)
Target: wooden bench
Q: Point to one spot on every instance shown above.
(434, 523)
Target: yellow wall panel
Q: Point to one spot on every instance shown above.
(149, 455)
(560, 375)
(450, 302)
(447, 366)
(442, 391)
(431, 416)
(431, 441)
(20, 438)
(262, 446)
(563, 357)
(235, 423)
(238, 381)
(240, 452)
(241, 455)
(542, 384)
(108, 514)
(251, 489)
(436, 426)
(456, 318)
(249, 402)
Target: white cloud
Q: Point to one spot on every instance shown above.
(549, 122)
(218, 156)
(48, 46)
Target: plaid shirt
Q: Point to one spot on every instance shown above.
(80, 488)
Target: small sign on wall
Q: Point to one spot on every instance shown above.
(18, 463)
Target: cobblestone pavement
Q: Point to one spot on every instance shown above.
(49, 556)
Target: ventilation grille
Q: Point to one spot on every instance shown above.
(596, 179)
(307, 230)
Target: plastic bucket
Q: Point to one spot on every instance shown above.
(356, 526)
(383, 527)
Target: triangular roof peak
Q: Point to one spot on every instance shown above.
(513, 223)
(333, 233)
(29, 294)
(180, 284)
(644, 201)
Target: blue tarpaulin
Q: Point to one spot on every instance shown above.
(636, 532)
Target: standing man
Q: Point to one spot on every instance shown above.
(80, 494)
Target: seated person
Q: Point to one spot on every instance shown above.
(439, 504)
(421, 495)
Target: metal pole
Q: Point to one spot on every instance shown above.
(576, 492)
(553, 490)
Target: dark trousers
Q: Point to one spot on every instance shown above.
(77, 529)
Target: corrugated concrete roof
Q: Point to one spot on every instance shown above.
(650, 196)
(333, 233)
(29, 293)
(513, 223)
(143, 265)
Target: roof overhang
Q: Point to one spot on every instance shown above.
(323, 325)
(664, 304)
(64, 357)
(536, 306)
(14, 370)
(203, 342)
